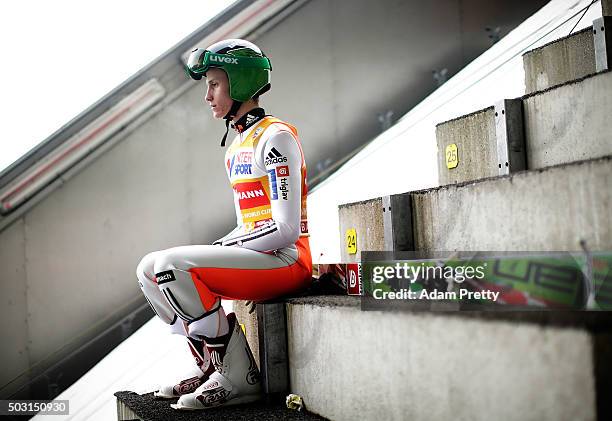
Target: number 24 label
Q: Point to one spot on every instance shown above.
(351, 241)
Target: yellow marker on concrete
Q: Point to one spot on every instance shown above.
(351, 241)
(243, 328)
(452, 158)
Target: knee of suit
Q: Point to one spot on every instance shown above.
(179, 289)
(146, 276)
(168, 260)
(145, 267)
(157, 301)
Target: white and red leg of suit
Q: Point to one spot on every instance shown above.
(185, 285)
(188, 281)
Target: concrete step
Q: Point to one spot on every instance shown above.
(564, 124)
(550, 209)
(572, 57)
(560, 61)
(554, 208)
(351, 364)
(570, 122)
(472, 140)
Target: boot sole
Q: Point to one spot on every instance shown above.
(156, 396)
(235, 401)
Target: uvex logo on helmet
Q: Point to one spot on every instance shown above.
(222, 59)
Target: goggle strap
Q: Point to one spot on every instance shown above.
(230, 115)
(226, 131)
(228, 60)
(242, 61)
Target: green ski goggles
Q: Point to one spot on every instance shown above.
(200, 60)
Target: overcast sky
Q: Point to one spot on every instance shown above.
(59, 57)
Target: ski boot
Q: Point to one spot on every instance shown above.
(236, 377)
(195, 379)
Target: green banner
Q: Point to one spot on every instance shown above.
(548, 281)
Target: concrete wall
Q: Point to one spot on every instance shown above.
(562, 124)
(367, 220)
(14, 310)
(72, 257)
(474, 135)
(569, 123)
(348, 364)
(561, 61)
(550, 209)
(545, 210)
(348, 61)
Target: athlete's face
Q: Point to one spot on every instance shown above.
(217, 92)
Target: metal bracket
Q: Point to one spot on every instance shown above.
(510, 136)
(397, 222)
(273, 359)
(602, 42)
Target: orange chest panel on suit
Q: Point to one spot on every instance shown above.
(259, 177)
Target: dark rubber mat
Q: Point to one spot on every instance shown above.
(150, 409)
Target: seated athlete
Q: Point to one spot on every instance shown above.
(267, 255)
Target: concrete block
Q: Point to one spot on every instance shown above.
(487, 143)
(560, 61)
(273, 348)
(474, 135)
(348, 364)
(366, 218)
(251, 327)
(265, 331)
(569, 123)
(544, 210)
(550, 209)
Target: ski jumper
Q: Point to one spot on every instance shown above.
(267, 255)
